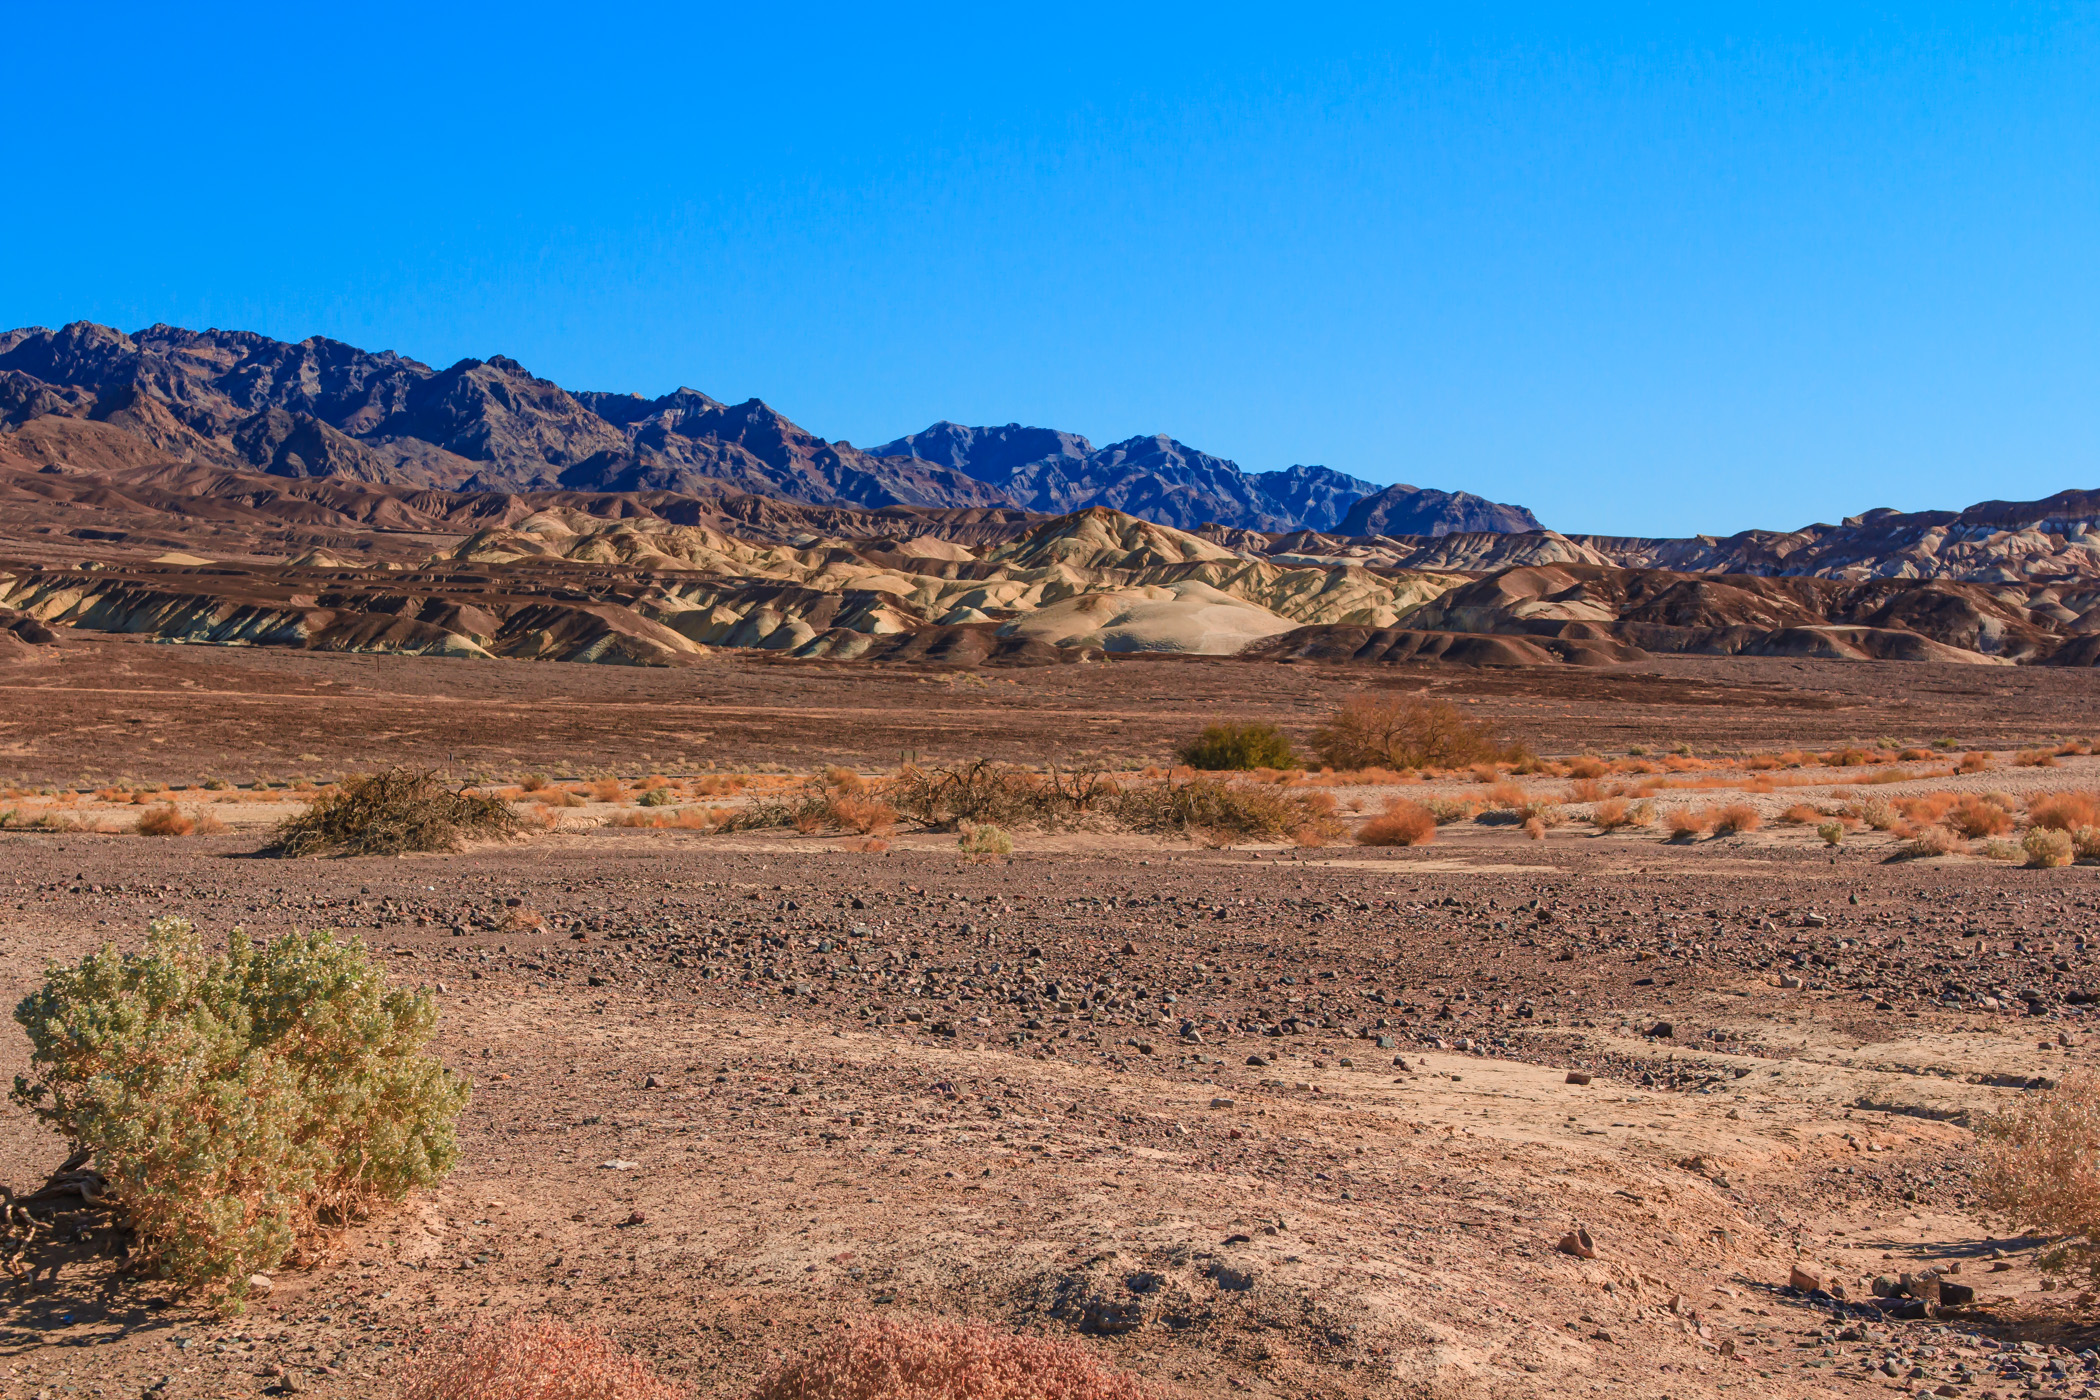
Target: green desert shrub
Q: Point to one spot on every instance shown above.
(245, 1104)
(656, 797)
(1225, 747)
(986, 840)
(391, 812)
(2041, 1170)
(2047, 848)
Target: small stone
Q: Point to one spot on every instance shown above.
(650, 1083)
(1662, 1029)
(1578, 1243)
(1221, 1103)
(1576, 1076)
(1801, 1279)
(260, 1283)
(1258, 1061)
(1789, 982)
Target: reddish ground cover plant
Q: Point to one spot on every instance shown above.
(534, 1359)
(924, 1359)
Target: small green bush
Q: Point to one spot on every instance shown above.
(241, 1105)
(2046, 848)
(1831, 832)
(986, 841)
(1238, 747)
(656, 797)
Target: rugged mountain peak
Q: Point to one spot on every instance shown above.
(494, 425)
(1411, 510)
(989, 454)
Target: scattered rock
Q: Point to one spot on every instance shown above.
(1578, 1243)
(1804, 1281)
(1576, 1076)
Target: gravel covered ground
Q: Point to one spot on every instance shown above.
(1272, 1121)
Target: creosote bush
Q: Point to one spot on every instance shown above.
(533, 1359)
(242, 1105)
(1408, 733)
(390, 812)
(1223, 811)
(1244, 747)
(923, 1359)
(2041, 1169)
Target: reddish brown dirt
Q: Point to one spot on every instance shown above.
(107, 708)
(1331, 1223)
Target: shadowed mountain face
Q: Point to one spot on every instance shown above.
(1172, 483)
(320, 408)
(1411, 510)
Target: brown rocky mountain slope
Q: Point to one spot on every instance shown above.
(183, 552)
(91, 396)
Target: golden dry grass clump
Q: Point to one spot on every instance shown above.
(1735, 817)
(922, 1359)
(1976, 817)
(534, 1359)
(1402, 823)
(2064, 811)
(390, 812)
(170, 820)
(2041, 1168)
(1614, 813)
(1685, 823)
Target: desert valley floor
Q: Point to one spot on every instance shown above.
(732, 1089)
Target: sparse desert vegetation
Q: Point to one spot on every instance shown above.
(393, 812)
(239, 1105)
(1224, 747)
(536, 1358)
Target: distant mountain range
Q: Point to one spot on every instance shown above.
(93, 397)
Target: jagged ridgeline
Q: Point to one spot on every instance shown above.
(92, 395)
(224, 488)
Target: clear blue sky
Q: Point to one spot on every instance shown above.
(1647, 269)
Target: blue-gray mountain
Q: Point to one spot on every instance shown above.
(1170, 482)
(92, 396)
